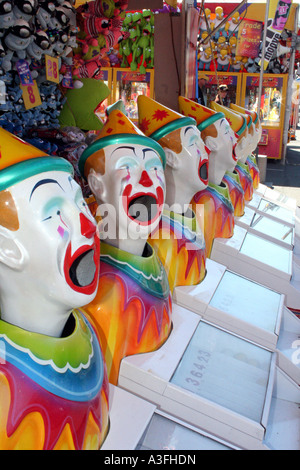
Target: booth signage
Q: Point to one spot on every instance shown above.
(277, 17)
(52, 69)
(249, 37)
(31, 95)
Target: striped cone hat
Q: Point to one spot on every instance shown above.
(157, 121)
(203, 116)
(238, 123)
(20, 160)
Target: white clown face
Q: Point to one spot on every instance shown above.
(58, 235)
(243, 147)
(223, 146)
(193, 159)
(134, 184)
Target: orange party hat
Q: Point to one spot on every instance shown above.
(203, 116)
(156, 120)
(118, 130)
(237, 122)
(20, 160)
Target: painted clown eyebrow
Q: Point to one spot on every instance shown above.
(124, 147)
(44, 181)
(187, 129)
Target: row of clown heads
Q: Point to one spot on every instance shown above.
(71, 311)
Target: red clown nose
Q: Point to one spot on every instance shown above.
(88, 229)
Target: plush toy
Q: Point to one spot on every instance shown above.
(218, 19)
(79, 109)
(15, 41)
(231, 26)
(39, 46)
(235, 63)
(45, 12)
(25, 9)
(205, 58)
(223, 59)
(204, 20)
(7, 17)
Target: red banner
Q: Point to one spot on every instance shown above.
(249, 37)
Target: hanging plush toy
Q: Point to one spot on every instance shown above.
(44, 14)
(231, 27)
(15, 41)
(7, 17)
(39, 45)
(205, 58)
(25, 9)
(218, 19)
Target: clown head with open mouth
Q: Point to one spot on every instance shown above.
(217, 135)
(49, 247)
(186, 156)
(125, 171)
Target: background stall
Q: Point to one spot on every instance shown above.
(271, 108)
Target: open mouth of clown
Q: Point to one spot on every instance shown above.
(82, 268)
(144, 208)
(233, 154)
(203, 171)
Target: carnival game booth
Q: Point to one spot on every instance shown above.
(235, 47)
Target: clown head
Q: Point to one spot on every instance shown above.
(49, 252)
(125, 171)
(186, 157)
(217, 135)
(253, 129)
(238, 124)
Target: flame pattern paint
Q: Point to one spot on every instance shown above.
(236, 192)
(132, 308)
(245, 179)
(180, 245)
(32, 415)
(215, 214)
(254, 170)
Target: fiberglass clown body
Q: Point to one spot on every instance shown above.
(132, 308)
(53, 381)
(213, 203)
(178, 240)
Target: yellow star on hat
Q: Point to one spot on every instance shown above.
(156, 120)
(237, 122)
(118, 129)
(20, 160)
(203, 116)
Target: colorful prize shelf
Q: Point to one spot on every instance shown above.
(217, 382)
